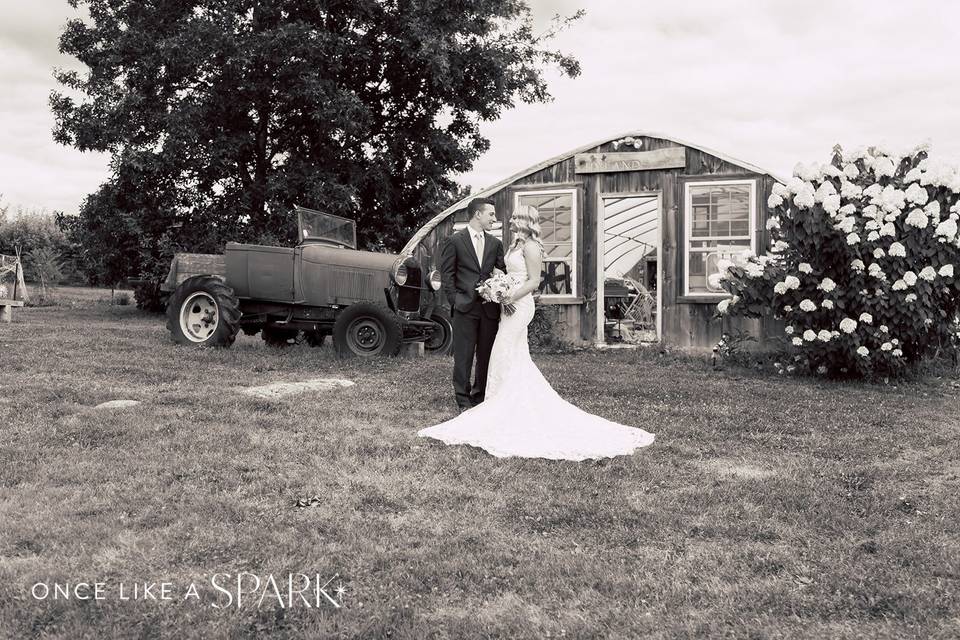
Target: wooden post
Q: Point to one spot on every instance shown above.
(6, 309)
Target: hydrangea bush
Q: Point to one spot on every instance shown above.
(864, 264)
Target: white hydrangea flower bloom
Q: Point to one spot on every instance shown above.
(780, 288)
(849, 190)
(883, 167)
(807, 305)
(895, 342)
(846, 224)
(857, 265)
(792, 282)
(871, 211)
(722, 306)
(754, 270)
(794, 185)
(910, 278)
(946, 229)
(899, 285)
(773, 223)
(797, 342)
(824, 335)
(824, 190)
(774, 201)
(913, 175)
(866, 318)
(889, 229)
(848, 209)
(928, 273)
(853, 239)
(863, 351)
(788, 329)
(714, 280)
(848, 325)
(827, 285)
(779, 246)
(917, 194)
(872, 225)
(878, 253)
(886, 346)
(827, 304)
(804, 267)
(873, 235)
(898, 250)
(828, 169)
(910, 297)
(946, 271)
(851, 171)
(873, 191)
(787, 309)
(933, 209)
(883, 328)
(808, 172)
(892, 199)
(831, 204)
(917, 218)
(804, 200)
(897, 352)
(809, 335)
(780, 190)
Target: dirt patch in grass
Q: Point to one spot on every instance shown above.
(732, 467)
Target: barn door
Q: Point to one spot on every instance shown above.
(628, 276)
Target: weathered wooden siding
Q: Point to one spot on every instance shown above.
(684, 323)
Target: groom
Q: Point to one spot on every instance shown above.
(467, 259)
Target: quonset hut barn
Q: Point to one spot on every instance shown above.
(633, 228)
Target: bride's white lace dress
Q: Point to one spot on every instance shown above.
(522, 415)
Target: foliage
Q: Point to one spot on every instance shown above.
(863, 264)
(220, 115)
(35, 233)
(731, 348)
(46, 264)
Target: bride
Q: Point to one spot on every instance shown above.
(522, 415)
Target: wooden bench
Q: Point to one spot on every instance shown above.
(6, 309)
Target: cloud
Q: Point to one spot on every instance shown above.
(769, 83)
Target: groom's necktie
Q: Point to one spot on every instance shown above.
(478, 245)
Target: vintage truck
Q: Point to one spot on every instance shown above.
(370, 303)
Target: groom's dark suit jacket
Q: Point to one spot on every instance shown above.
(460, 272)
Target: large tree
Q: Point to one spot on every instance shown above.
(219, 115)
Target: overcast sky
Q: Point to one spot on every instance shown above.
(770, 83)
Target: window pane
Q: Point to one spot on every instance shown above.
(716, 211)
(556, 232)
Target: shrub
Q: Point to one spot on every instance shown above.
(863, 268)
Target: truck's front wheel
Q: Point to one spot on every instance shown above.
(441, 340)
(366, 329)
(203, 311)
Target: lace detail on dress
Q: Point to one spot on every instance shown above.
(522, 414)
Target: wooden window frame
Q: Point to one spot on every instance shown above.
(687, 221)
(574, 193)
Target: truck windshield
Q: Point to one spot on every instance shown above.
(316, 226)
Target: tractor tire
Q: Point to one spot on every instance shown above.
(441, 342)
(366, 329)
(279, 337)
(203, 312)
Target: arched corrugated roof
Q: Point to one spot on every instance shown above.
(440, 217)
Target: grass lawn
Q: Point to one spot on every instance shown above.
(767, 507)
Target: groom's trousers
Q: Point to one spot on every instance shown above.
(473, 334)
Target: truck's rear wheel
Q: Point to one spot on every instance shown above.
(203, 311)
(366, 329)
(441, 341)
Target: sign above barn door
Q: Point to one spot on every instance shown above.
(668, 158)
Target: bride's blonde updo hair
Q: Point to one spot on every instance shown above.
(527, 221)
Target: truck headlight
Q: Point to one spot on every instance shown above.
(435, 281)
(400, 272)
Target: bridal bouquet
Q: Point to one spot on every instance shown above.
(495, 288)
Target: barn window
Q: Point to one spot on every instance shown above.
(558, 228)
(719, 223)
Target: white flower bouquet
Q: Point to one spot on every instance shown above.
(495, 288)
